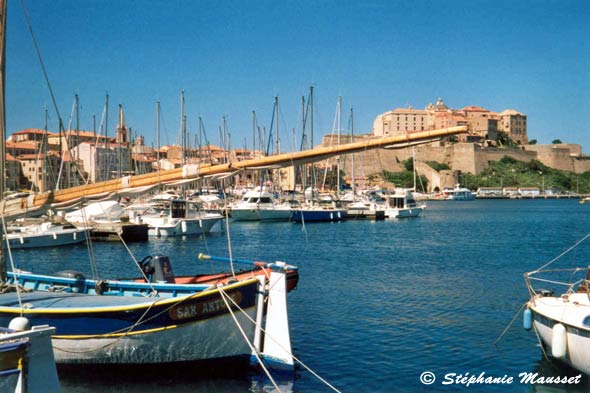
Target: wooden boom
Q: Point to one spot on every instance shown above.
(189, 172)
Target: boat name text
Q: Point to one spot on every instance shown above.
(191, 310)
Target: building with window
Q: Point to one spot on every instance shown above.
(514, 124)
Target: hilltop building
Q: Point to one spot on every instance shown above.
(484, 124)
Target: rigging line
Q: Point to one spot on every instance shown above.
(563, 253)
(89, 245)
(254, 351)
(136, 263)
(231, 261)
(510, 324)
(283, 348)
(40, 57)
(540, 343)
(126, 331)
(17, 286)
(41, 62)
(125, 334)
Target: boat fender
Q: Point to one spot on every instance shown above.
(527, 320)
(183, 226)
(19, 324)
(559, 341)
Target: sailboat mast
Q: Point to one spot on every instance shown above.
(311, 136)
(3, 276)
(277, 121)
(352, 155)
(339, 126)
(414, 165)
(158, 138)
(253, 133)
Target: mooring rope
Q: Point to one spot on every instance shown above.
(252, 349)
(284, 349)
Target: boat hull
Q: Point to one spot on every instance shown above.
(409, 212)
(577, 337)
(238, 214)
(52, 239)
(213, 338)
(182, 227)
(318, 215)
(94, 329)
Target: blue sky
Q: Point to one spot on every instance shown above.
(233, 57)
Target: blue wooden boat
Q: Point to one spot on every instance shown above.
(126, 322)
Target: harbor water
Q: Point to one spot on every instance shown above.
(379, 303)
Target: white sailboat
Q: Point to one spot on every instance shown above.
(561, 320)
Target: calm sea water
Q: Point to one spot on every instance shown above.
(378, 303)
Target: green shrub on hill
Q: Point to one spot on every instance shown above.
(509, 172)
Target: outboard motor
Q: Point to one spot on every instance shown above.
(159, 269)
(78, 285)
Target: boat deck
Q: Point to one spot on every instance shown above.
(61, 300)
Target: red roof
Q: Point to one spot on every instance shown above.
(28, 157)
(474, 108)
(32, 131)
(21, 145)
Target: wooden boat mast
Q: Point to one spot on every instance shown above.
(3, 276)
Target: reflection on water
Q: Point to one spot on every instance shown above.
(213, 376)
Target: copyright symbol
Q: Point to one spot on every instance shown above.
(427, 378)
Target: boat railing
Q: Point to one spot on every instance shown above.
(566, 277)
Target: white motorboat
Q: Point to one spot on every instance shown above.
(44, 234)
(260, 205)
(176, 217)
(460, 194)
(401, 204)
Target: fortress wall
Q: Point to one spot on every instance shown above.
(465, 157)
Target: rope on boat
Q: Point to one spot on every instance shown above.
(90, 247)
(128, 330)
(540, 342)
(266, 335)
(125, 334)
(17, 287)
(254, 351)
(562, 254)
(231, 264)
(510, 324)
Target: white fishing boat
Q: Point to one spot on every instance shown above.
(27, 363)
(175, 217)
(561, 320)
(43, 234)
(260, 205)
(401, 204)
